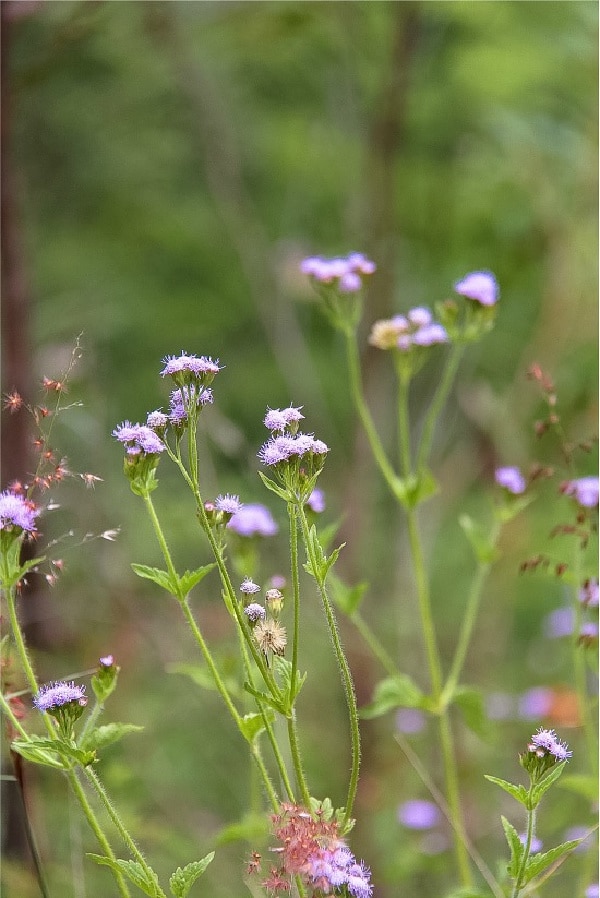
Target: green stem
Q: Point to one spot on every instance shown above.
(114, 816)
(525, 857)
(96, 829)
(296, 591)
(296, 758)
(344, 669)
(16, 724)
(372, 641)
(403, 426)
(439, 398)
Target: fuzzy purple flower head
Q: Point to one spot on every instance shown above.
(253, 519)
(55, 695)
(138, 438)
(255, 612)
(511, 479)
(200, 368)
(228, 504)
(316, 501)
(584, 490)
(181, 398)
(16, 512)
(480, 286)
(248, 586)
(547, 741)
(280, 419)
(281, 449)
(345, 273)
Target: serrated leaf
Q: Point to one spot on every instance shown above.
(252, 725)
(538, 862)
(544, 784)
(399, 691)
(581, 785)
(479, 539)
(517, 848)
(519, 793)
(133, 870)
(36, 754)
(57, 746)
(161, 578)
(271, 485)
(470, 702)
(183, 879)
(347, 598)
(283, 667)
(105, 735)
(189, 579)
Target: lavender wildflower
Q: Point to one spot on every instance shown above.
(138, 439)
(187, 369)
(228, 504)
(480, 286)
(415, 329)
(17, 513)
(410, 720)
(253, 520)
(584, 490)
(107, 661)
(548, 742)
(418, 814)
(55, 695)
(535, 703)
(316, 501)
(157, 420)
(248, 586)
(255, 612)
(559, 623)
(511, 479)
(181, 399)
(279, 419)
(344, 273)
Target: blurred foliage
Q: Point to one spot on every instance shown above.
(174, 162)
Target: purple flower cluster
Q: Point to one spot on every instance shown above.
(481, 286)
(249, 587)
(282, 448)
(195, 367)
(255, 612)
(316, 501)
(338, 868)
(55, 695)
(546, 742)
(228, 504)
(511, 479)
(345, 273)
(278, 419)
(253, 520)
(138, 438)
(184, 397)
(584, 490)
(415, 329)
(419, 814)
(16, 512)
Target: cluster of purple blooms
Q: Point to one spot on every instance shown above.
(344, 273)
(338, 868)
(511, 479)
(55, 695)
(546, 742)
(198, 369)
(253, 519)
(416, 328)
(584, 490)
(285, 446)
(138, 438)
(17, 512)
(480, 286)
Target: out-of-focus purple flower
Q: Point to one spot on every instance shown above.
(410, 720)
(316, 501)
(579, 832)
(229, 504)
(500, 706)
(249, 587)
(588, 594)
(191, 364)
(17, 512)
(138, 438)
(548, 741)
(584, 490)
(55, 695)
(559, 623)
(589, 632)
(592, 891)
(429, 335)
(107, 661)
(416, 328)
(333, 869)
(255, 612)
(253, 520)
(536, 844)
(511, 479)
(419, 814)
(535, 703)
(346, 273)
(480, 286)
(420, 316)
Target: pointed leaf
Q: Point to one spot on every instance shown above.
(549, 779)
(146, 881)
(347, 598)
(252, 725)
(266, 699)
(161, 578)
(394, 692)
(106, 735)
(538, 862)
(470, 702)
(517, 849)
(518, 792)
(32, 751)
(271, 485)
(283, 668)
(189, 579)
(183, 879)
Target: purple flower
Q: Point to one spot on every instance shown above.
(282, 448)
(55, 695)
(157, 420)
(536, 844)
(419, 316)
(189, 364)
(535, 703)
(410, 720)
(418, 814)
(249, 587)
(255, 612)
(180, 399)
(316, 501)
(429, 335)
(584, 490)
(416, 328)
(17, 512)
(588, 594)
(559, 623)
(138, 438)
(345, 273)
(358, 881)
(229, 504)
(253, 520)
(588, 632)
(279, 419)
(511, 479)
(334, 869)
(548, 741)
(350, 282)
(107, 661)
(592, 890)
(480, 286)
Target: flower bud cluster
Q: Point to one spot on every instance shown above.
(346, 274)
(408, 332)
(544, 751)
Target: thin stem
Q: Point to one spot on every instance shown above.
(372, 641)
(114, 816)
(525, 857)
(403, 426)
(296, 757)
(5, 705)
(344, 669)
(439, 398)
(96, 829)
(296, 591)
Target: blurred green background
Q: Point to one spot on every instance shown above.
(166, 167)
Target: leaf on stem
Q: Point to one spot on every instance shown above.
(33, 750)
(271, 485)
(519, 793)
(146, 880)
(183, 879)
(347, 598)
(538, 862)
(318, 563)
(399, 691)
(102, 736)
(252, 725)
(517, 849)
(470, 702)
(544, 784)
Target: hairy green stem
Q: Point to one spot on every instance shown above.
(293, 518)
(439, 398)
(296, 757)
(374, 644)
(527, 849)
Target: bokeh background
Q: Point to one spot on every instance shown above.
(166, 165)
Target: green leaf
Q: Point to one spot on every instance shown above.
(183, 879)
(133, 870)
(189, 579)
(33, 751)
(102, 736)
(161, 578)
(470, 702)
(266, 699)
(283, 668)
(271, 485)
(40, 746)
(518, 792)
(252, 725)
(399, 691)
(347, 598)
(517, 849)
(467, 892)
(544, 784)
(478, 537)
(322, 562)
(581, 785)
(202, 676)
(538, 862)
